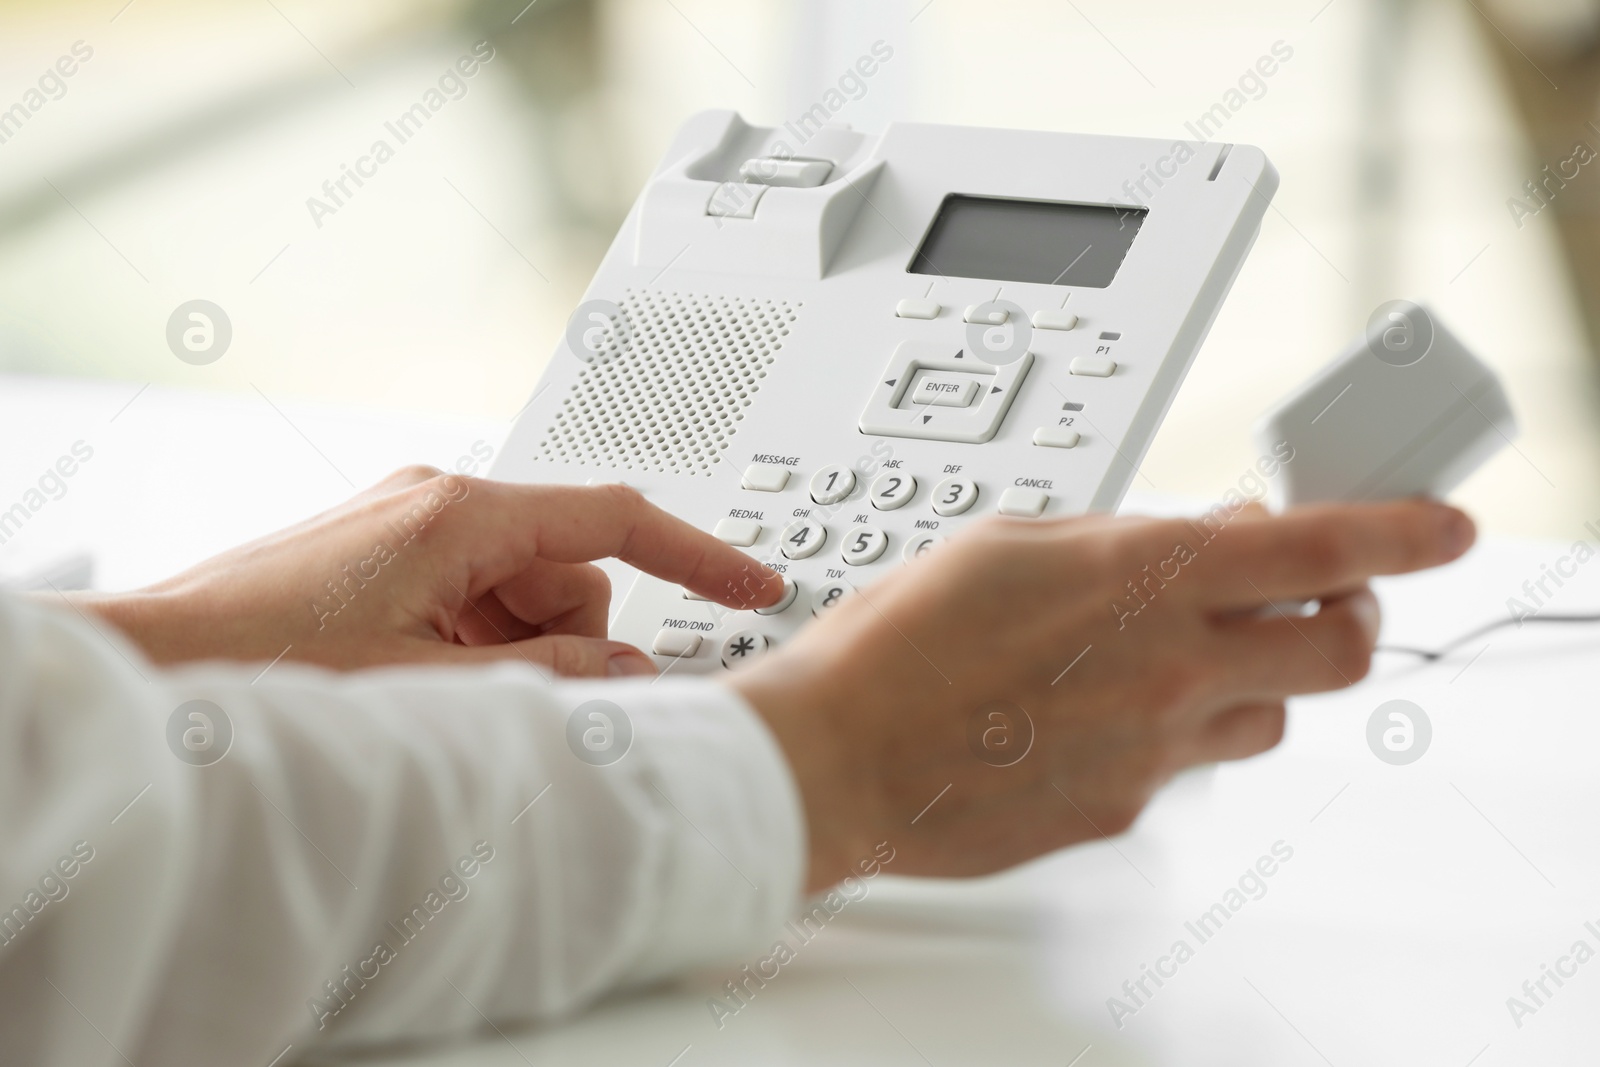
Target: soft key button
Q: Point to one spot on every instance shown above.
(1028, 503)
(676, 643)
(742, 647)
(954, 496)
(793, 173)
(1092, 366)
(917, 309)
(741, 533)
(944, 390)
(863, 545)
(992, 316)
(1056, 437)
(802, 539)
(893, 489)
(832, 484)
(1051, 319)
(765, 478)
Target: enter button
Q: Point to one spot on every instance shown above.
(945, 392)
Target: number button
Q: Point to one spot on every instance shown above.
(828, 597)
(919, 546)
(803, 539)
(864, 544)
(743, 647)
(832, 484)
(893, 489)
(790, 591)
(954, 496)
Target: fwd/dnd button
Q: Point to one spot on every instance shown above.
(945, 391)
(676, 643)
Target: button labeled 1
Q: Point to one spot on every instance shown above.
(832, 484)
(863, 545)
(803, 539)
(953, 496)
(893, 489)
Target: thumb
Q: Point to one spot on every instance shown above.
(568, 655)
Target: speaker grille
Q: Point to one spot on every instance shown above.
(672, 399)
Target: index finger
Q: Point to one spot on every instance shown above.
(510, 525)
(1326, 549)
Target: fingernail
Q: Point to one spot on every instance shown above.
(1457, 530)
(629, 665)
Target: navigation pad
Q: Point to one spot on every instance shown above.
(940, 392)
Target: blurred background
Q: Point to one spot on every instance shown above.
(177, 161)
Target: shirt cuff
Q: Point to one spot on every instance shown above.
(733, 866)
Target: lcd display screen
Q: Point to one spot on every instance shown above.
(1028, 241)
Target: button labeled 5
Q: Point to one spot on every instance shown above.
(864, 544)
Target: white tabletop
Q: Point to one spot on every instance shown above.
(1417, 900)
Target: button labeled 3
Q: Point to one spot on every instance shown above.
(954, 496)
(803, 539)
(893, 489)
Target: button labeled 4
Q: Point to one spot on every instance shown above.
(803, 539)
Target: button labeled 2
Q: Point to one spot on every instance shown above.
(893, 489)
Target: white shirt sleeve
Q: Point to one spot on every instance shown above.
(395, 854)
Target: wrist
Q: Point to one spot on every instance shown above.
(805, 711)
(143, 618)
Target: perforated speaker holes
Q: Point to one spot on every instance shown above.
(673, 399)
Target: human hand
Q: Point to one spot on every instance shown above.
(1133, 647)
(431, 568)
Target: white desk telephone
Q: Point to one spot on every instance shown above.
(836, 354)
